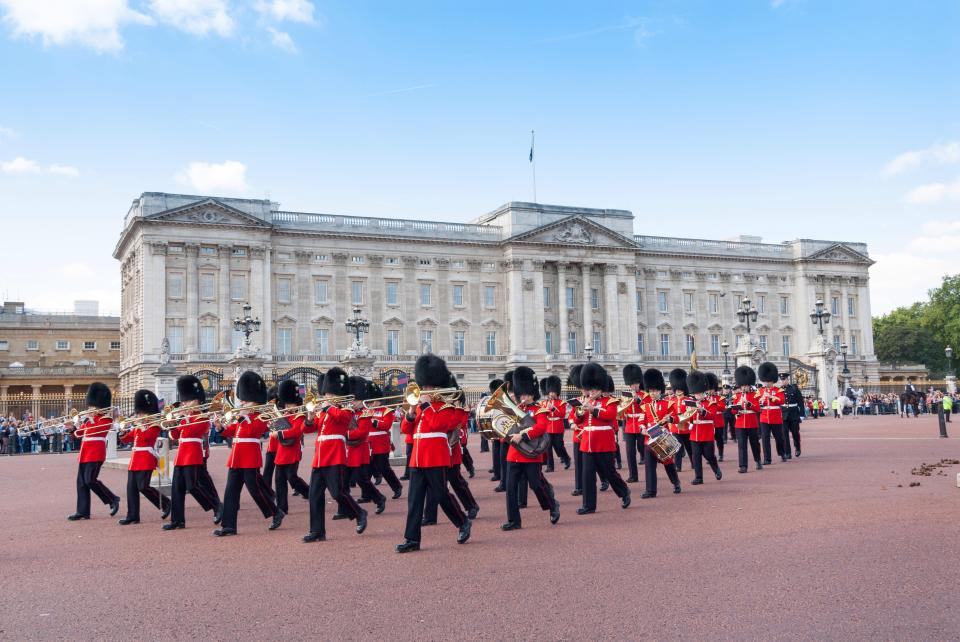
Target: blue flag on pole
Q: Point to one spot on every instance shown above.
(531, 146)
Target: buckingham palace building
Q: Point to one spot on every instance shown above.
(539, 285)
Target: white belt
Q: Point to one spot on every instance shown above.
(103, 439)
(770, 407)
(595, 428)
(703, 422)
(191, 440)
(378, 433)
(140, 449)
(245, 440)
(748, 412)
(329, 437)
(430, 435)
(791, 405)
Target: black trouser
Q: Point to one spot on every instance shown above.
(743, 436)
(360, 476)
(460, 488)
(138, 482)
(504, 449)
(329, 479)
(791, 427)
(602, 464)
(495, 446)
(432, 482)
(381, 464)
(286, 475)
(186, 479)
(87, 481)
(557, 446)
(617, 454)
(634, 443)
(484, 445)
(237, 478)
(577, 467)
(730, 422)
(765, 430)
(268, 468)
(467, 460)
(517, 472)
(684, 439)
(720, 436)
(703, 450)
(406, 469)
(205, 481)
(650, 463)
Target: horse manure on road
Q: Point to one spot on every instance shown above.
(926, 470)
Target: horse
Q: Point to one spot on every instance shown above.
(910, 401)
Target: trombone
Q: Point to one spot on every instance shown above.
(411, 397)
(73, 417)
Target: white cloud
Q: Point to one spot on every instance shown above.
(938, 153)
(903, 277)
(21, 165)
(91, 23)
(292, 10)
(208, 178)
(282, 40)
(198, 17)
(933, 193)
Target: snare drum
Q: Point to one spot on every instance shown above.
(662, 443)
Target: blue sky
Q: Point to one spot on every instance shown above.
(783, 119)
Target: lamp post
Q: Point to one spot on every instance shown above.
(747, 313)
(247, 325)
(949, 353)
(819, 316)
(725, 347)
(588, 350)
(357, 325)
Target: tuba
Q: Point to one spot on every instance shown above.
(498, 417)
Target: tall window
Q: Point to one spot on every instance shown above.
(459, 342)
(320, 292)
(356, 292)
(548, 342)
(662, 301)
(691, 344)
(836, 342)
(740, 339)
(715, 345)
(175, 285)
(208, 286)
(763, 341)
(594, 299)
(283, 290)
(597, 342)
(688, 301)
(546, 296)
(639, 300)
(491, 343)
(665, 345)
(426, 294)
(786, 345)
(426, 341)
(571, 298)
(714, 303)
(236, 339)
(738, 301)
(321, 341)
(175, 337)
(640, 347)
(489, 295)
(284, 341)
(238, 287)
(762, 303)
(835, 305)
(393, 342)
(784, 305)
(208, 339)
(572, 342)
(853, 343)
(852, 306)
(458, 295)
(393, 293)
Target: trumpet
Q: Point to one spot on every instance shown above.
(221, 401)
(309, 405)
(411, 397)
(73, 417)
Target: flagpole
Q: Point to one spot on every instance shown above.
(533, 163)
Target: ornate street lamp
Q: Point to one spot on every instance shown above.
(819, 316)
(588, 350)
(949, 353)
(725, 347)
(747, 313)
(247, 325)
(357, 325)
(843, 351)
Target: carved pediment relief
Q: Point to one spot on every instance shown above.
(394, 320)
(460, 322)
(322, 319)
(839, 253)
(574, 230)
(427, 321)
(209, 212)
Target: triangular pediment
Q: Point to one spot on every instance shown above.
(839, 253)
(574, 230)
(209, 211)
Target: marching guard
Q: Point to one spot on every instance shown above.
(573, 380)
(93, 452)
(746, 406)
(358, 446)
(550, 387)
(771, 401)
(655, 410)
(702, 432)
(679, 401)
(455, 480)
(143, 458)
(793, 410)
(288, 433)
(634, 419)
(380, 445)
(495, 443)
(720, 416)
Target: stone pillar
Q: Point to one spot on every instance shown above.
(587, 309)
(629, 347)
(536, 345)
(442, 305)
(514, 269)
(67, 392)
(611, 306)
(261, 295)
(824, 357)
(191, 293)
(304, 303)
(863, 312)
(377, 337)
(562, 307)
(845, 338)
(154, 319)
(35, 407)
(408, 306)
(225, 330)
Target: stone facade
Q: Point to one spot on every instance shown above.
(525, 284)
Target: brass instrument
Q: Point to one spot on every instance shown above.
(73, 417)
(411, 397)
(309, 406)
(220, 403)
(498, 417)
(624, 404)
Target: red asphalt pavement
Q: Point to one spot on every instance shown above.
(835, 545)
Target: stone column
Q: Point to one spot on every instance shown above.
(191, 292)
(35, 408)
(67, 392)
(225, 331)
(562, 307)
(342, 303)
(377, 337)
(441, 305)
(845, 338)
(611, 306)
(260, 296)
(536, 344)
(304, 303)
(587, 309)
(514, 269)
(408, 306)
(629, 347)
(866, 325)
(154, 317)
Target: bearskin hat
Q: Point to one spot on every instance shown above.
(632, 374)
(744, 376)
(251, 387)
(145, 402)
(359, 387)
(609, 385)
(767, 372)
(573, 379)
(508, 379)
(272, 394)
(653, 380)
(98, 395)
(525, 383)
(431, 371)
(697, 382)
(494, 384)
(678, 380)
(335, 383)
(551, 384)
(713, 381)
(593, 377)
(320, 379)
(189, 388)
(288, 393)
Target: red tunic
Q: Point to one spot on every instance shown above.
(456, 449)
(191, 435)
(555, 418)
(143, 440)
(272, 444)
(359, 430)
(771, 400)
(678, 406)
(291, 454)
(94, 434)
(720, 404)
(541, 420)
(701, 427)
(379, 436)
(331, 427)
(430, 429)
(574, 421)
(747, 414)
(635, 417)
(599, 433)
(246, 434)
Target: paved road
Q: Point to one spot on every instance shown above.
(835, 545)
